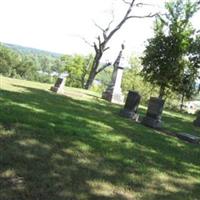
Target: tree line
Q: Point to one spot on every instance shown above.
(169, 66)
(15, 63)
(31, 64)
(35, 65)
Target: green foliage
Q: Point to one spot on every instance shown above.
(194, 56)
(102, 80)
(164, 57)
(187, 86)
(77, 67)
(28, 63)
(132, 80)
(26, 68)
(32, 64)
(8, 60)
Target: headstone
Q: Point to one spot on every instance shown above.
(154, 113)
(189, 138)
(59, 85)
(131, 106)
(197, 120)
(113, 92)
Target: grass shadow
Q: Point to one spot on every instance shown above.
(57, 147)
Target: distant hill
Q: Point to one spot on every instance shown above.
(29, 50)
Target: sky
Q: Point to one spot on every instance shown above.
(63, 26)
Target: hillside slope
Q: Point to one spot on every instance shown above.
(75, 146)
(32, 51)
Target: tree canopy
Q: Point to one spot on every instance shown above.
(165, 56)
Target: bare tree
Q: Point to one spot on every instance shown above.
(100, 46)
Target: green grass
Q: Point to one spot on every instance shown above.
(76, 147)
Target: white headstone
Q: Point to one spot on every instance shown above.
(113, 92)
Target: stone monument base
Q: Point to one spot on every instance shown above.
(56, 90)
(128, 114)
(196, 122)
(151, 122)
(117, 98)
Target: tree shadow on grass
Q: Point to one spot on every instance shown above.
(56, 147)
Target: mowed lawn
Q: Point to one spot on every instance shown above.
(76, 147)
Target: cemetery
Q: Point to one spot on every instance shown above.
(74, 141)
(87, 127)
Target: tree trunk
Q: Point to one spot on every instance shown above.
(182, 100)
(107, 34)
(93, 71)
(90, 80)
(83, 81)
(161, 92)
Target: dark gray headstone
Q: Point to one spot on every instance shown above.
(197, 120)
(154, 113)
(58, 82)
(59, 85)
(131, 106)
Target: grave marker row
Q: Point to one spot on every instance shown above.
(154, 111)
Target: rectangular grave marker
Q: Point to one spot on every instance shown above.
(154, 113)
(131, 106)
(59, 85)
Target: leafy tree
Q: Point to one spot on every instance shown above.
(45, 64)
(77, 67)
(27, 63)
(187, 87)
(195, 52)
(58, 66)
(132, 80)
(102, 80)
(27, 68)
(7, 60)
(164, 57)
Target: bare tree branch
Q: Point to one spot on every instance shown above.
(106, 49)
(104, 35)
(87, 42)
(99, 44)
(113, 17)
(107, 34)
(126, 2)
(95, 47)
(143, 4)
(143, 16)
(99, 27)
(103, 67)
(108, 26)
(122, 21)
